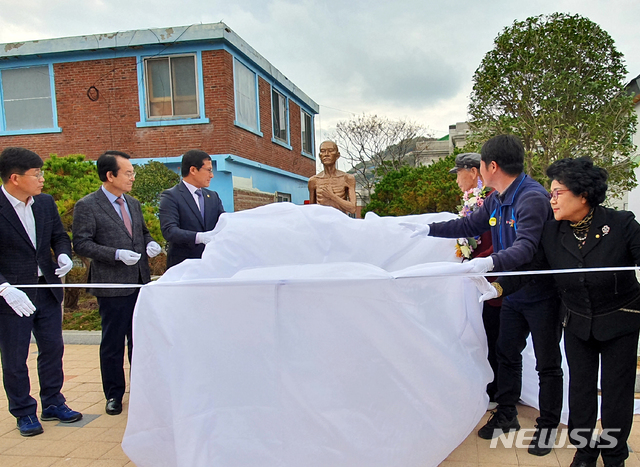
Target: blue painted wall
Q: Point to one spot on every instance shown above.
(264, 178)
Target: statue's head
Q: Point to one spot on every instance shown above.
(329, 153)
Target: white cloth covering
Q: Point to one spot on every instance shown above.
(305, 337)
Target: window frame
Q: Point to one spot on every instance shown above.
(282, 197)
(143, 96)
(274, 138)
(311, 131)
(236, 122)
(54, 110)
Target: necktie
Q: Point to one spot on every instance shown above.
(125, 216)
(200, 201)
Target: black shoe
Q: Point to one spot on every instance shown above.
(543, 441)
(579, 463)
(497, 425)
(621, 464)
(114, 407)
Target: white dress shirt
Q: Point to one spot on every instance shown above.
(25, 214)
(192, 189)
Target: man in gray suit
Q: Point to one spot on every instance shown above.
(109, 228)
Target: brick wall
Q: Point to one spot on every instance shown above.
(90, 127)
(244, 199)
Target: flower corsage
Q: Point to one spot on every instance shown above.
(472, 200)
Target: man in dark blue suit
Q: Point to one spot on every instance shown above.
(189, 210)
(30, 228)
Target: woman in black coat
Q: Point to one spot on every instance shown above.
(601, 309)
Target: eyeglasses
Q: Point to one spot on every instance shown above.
(554, 193)
(207, 170)
(130, 175)
(38, 174)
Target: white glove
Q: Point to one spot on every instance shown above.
(18, 300)
(481, 265)
(487, 291)
(153, 249)
(204, 237)
(65, 264)
(128, 257)
(417, 229)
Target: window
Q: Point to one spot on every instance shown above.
(307, 132)
(279, 115)
(171, 87)
(27, 102)
(283, 197)
(245, 82)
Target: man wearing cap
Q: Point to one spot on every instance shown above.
(468, 178)
(515, 214)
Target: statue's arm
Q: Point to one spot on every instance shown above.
(351, 193)
(313, 184)
(345, 205)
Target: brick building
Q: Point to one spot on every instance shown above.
(157, 93)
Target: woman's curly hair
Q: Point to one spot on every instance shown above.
(581, 177)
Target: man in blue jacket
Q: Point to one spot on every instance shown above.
(30, 229)
(189, 210)
(515, 214)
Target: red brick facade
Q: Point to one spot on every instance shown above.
(244, 199)
(91, 127)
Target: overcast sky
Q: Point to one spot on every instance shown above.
(401, 59)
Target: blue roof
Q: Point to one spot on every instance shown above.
(216, 32)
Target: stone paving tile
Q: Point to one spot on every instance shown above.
(107, 463)
(31, 461)
(69, 462)
(92, 449)
(97, 444)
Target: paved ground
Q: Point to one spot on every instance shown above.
(476, 452)
(95, 441)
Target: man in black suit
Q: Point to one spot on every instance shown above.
(189, 210)
(109, 228)
(30, 228)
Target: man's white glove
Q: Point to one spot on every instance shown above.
(128, 257)
(204, 237)
(481, 265)
(417, 229)
(17, 300)
(65, 264)
(487, 291)
(153, 249)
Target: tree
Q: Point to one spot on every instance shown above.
(557, 82)
(152, 179)
(68, 179)
(417, 190)
(374, 146)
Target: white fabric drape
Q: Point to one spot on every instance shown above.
(305, 337)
